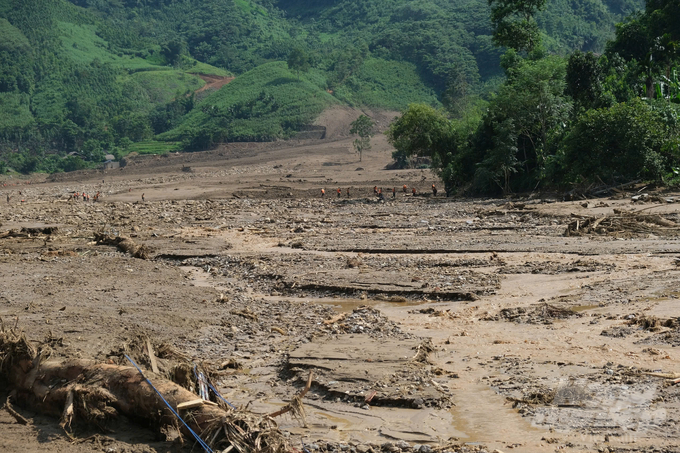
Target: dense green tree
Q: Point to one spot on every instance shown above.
(346, 63)
(173, 51)
(72, 163)
(526, 115)
(92, 151)
(135, 127)
(627, 141)
(514, 25)
(298, 61)
(652, 40)
(584, 81)
(427, 132)
(421, 130)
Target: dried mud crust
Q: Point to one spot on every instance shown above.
(372, 373)
(551, 268)
(397, 278)
(389, 368)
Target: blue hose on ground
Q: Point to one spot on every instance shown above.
(205, 446)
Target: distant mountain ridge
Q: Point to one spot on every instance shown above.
(116, 76)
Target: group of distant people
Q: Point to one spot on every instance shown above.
(378, 192)
(75, 196)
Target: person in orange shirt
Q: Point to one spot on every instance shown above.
(323, 192)
(413, 190)
(339, 192)
(434, 190)
(405, 188)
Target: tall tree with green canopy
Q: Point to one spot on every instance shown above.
(298, 61)
(522, 120)
(424, 131)
(514, 25)
(363, 127)
(584, 80)
(630, 140)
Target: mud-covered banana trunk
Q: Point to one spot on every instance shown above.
(86, 391)
(102, 391)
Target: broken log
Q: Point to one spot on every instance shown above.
(86, 391)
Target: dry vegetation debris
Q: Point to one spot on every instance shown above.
(623, 223)
(542, 313)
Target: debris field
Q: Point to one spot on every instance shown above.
(414, 324)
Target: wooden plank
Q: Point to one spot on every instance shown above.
(152, 357)
(190, 404)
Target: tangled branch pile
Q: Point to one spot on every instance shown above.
(125, 245)
(623, 223)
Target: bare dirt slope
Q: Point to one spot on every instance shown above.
(337, 120)
(213, 82)
(428, 321)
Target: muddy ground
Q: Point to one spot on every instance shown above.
(427, 320)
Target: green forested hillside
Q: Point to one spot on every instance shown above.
(582, 122)
(97, 76)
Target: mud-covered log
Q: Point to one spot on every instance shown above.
(85, 391)
(126, 391)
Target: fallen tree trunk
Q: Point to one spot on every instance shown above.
(82, 390)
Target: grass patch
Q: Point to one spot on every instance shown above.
(386, 84)
(82, 45)
(164, 86)
(266, 103)
(152, 147)
(205, 68)
(14, 111)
